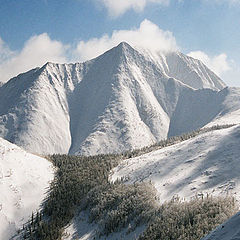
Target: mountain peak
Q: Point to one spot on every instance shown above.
(124, 89)
(124, 45)
(124, 48)
(48, 65)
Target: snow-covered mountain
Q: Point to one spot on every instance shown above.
(188, 70)
(207, 163)
(123, 99)
(24, 179)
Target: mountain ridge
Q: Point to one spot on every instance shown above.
(119, 101)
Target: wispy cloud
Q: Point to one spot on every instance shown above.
(5, 51)
(218, 64)
(41, 48)
(117, 8)
(37, 51)
(227, 1)
(148, 36)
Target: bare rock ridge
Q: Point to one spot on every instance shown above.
(123, 99)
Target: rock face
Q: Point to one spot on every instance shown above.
(123, 99)
(24, 179)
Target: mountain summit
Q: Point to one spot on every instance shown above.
(123, 99)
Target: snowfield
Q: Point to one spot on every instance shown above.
(121, 100)
(81, 229)
(208, 163)
(24, 180)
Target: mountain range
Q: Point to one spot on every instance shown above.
(122, 100)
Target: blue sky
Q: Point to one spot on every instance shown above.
(35, 31)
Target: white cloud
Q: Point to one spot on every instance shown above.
(232, 77)
(5, 52)
(230, 2)
(227, 1)
(116, 8)
(37, 51)
(218, 64)
(148, 36)
(40, 49)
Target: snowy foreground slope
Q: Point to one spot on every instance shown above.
(81, 229)
(208, 163)
(123, 99)
(227, 231)
(24, 179)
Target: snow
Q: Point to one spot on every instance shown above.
(81, 229)
(122, 100)
(230, 112)
(192, 72)
(188, 70)
(208, 163)
(24, 179)
(226, 231)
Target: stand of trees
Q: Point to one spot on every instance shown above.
(82, 182)
(75, 177)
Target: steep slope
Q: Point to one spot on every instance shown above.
(226, 231)
(24, 179)
(204, 107)
(192, 72)
(196, 109)
(230, 111)
(122, 100)
(34, 109)
(208, 163)
(188, 70)
(124, 108)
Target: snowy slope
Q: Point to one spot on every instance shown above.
(124, 99)
(192, 72)
(34, 111)
(188, 70)
(81, 229)
(208, 163)
(227, 231)
(198, 108)
(24, 179)
(229, 112)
